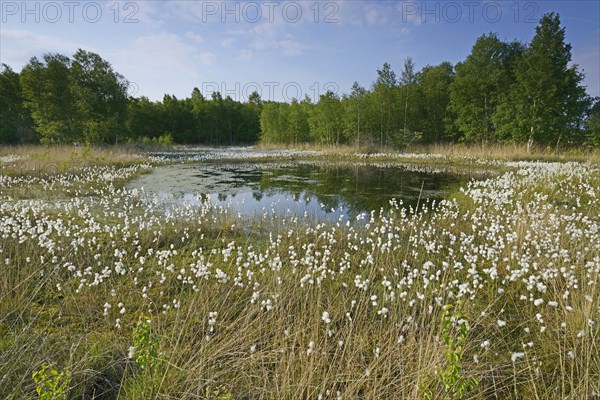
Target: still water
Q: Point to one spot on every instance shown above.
(313, 190)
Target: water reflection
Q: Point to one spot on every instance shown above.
(314, 190)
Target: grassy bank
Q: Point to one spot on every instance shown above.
(29, 172)
(27, 160)
(493, 293)
(509, 152)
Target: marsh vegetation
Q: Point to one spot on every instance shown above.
(491, 291)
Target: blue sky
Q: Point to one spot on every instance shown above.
(283, 49)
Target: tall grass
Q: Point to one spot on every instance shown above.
(493, 151)
(58, 159)
(512, 152)
(279, 308)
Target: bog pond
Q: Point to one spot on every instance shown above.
(315, 190)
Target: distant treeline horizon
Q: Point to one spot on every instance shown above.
(503, 92)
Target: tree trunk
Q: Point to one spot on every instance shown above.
(358, 130)
(530, 141)
(405, 114)
(485, 118)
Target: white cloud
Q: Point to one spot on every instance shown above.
(364, 13)
(199, 12)
(287, 47)
(167, 50)
(19, 45)
(412, 12)
(161, 63)
(277, 30)
(397, 16)
(375, 14)
(145, 12)
(207, 58)
(246, 55)
(227, 42)
(196, 38)
(291, 48)
(275, 36)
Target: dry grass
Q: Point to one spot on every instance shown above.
(334, 150)
(257, 353)
(59, 159)
(512, 152)
(457, 151)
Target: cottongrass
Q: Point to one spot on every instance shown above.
(281, 308)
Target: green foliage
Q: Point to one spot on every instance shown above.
(216, 121)
(451, 379)
(488, 98)
(166, 139)
(434, 93)
(285, 123)
(547, 102)
(74, 100)
(16, 124)
(385, 107)
(145, 347)
(274, 123)
(355, 114)
(71, 326)
(51, 384)
(298, 126)
(593, 125)
(100, 96)
(326, 120)
(220, 393)
(408, 86)
(502, 92)
(47, 89)
(479, 84)
(144, 118)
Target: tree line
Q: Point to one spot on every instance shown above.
(214, 121)
(502, 92)
(83, 100)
